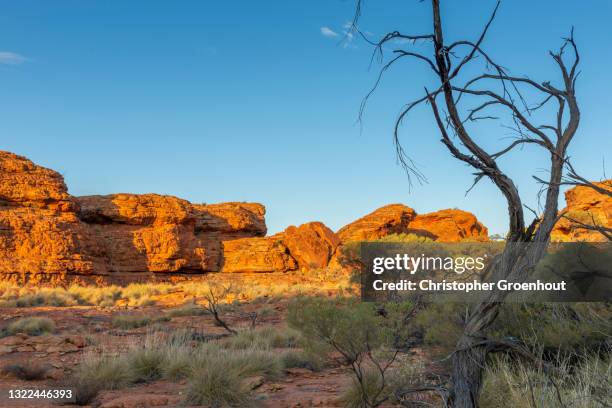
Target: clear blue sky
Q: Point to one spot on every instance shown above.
(257, 101)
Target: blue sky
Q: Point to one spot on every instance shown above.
(258, 101)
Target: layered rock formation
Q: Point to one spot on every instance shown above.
(449, 226)
(390, 219)
(444, 225)
(39, 227)
(47, 234)
(586, 206)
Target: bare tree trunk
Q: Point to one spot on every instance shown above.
(525, 246)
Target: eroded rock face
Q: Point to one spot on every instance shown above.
(390, 219)
(134, 209)
(46, 232)
(22, 183)
(449, 226)
(262, 254)
(147, 232)
(587, 206)
(232, 220)
(39, 228)
(312, 244)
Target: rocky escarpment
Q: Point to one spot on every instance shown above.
(444, 225)
(47, 234)
(585, 207)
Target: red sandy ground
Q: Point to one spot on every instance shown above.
(77, 326)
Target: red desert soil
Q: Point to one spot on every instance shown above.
(86, 329)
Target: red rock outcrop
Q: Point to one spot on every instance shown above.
(311, 244)
(22, 183)
(445, 225)
(148, 232)
(587, 206)
(449, 226)
(263, 254)
(39, 228)
(44, 231)
(390, 219)
(231, 220)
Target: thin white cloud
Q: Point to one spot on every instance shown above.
(328, 32)
(11, 58)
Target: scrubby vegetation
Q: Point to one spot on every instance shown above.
(134, 321)
(187, 309)
(26, 371)
(366, 339)
(33, 326)
(217, 374)
(137, 295)
(264, 338)
(578, 384)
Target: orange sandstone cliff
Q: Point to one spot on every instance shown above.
(585, 206)
(48, 235)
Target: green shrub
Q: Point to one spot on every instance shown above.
(348, 326)
(564, 328)
(177, 363)
(263, 338)
(187, 309)
(405, 238)
(301, 359)
(25, 371)
(215, 385)
(356, 331)
(441, 324)
(360, 393)
(146, 363)
(107, 371)
(133, 321)
(32, 326)
(509, 383)
(218, 377)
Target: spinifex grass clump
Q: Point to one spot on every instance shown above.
(577, 382)
(135, 321)
(264, 338)
(215, 376)
(33, 326)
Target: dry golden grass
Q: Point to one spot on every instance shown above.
(133, 295)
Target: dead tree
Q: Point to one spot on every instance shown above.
(493, 91)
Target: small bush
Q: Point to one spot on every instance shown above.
(84, 390)
(360, 393)
(216, 385)
(27, 371)
(32, 326)
(511, 384)
(188, 309)
(131, 321)
(177, 363)
(358, 333)
(146, 364)
(96, 373)
(301, 359)
(347, 326)
(110, 371)
(441, 324)
(218, 377)
(264, 338)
